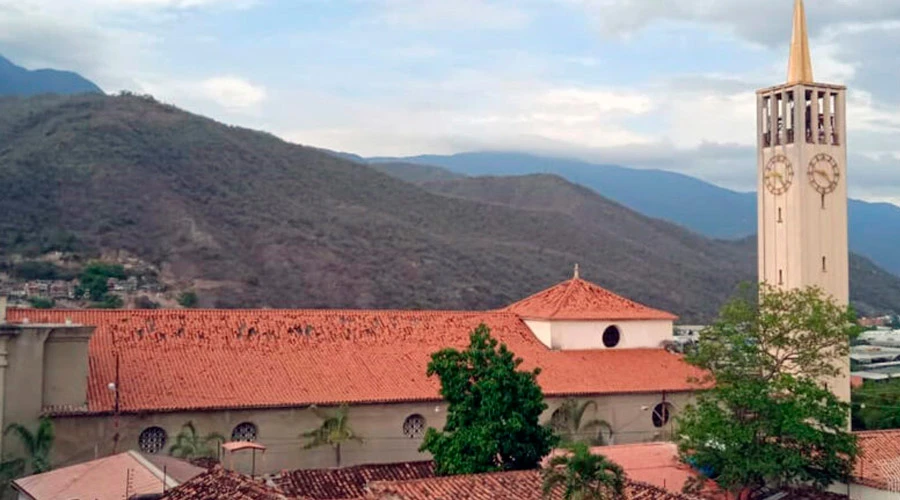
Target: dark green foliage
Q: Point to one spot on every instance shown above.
(36, 445)
(582, 475)
(493, 410)
(110, 301)
(569, 424)
(94, 278)
(770, 418)
(41, 302)
(895, 322)
(189, 444)
(38, 270)
(188, 299)
(876, 405)
(334, 431)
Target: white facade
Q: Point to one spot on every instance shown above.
(860, 492)
(584, 334)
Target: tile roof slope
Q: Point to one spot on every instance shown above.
(174, 360)
(878, 461)
(104, 478)
(517, 485)
(348, 482)
(577, 299)
(179, 470)
(219, 483)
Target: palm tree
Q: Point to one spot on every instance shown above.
(189, 444)
(10, 470)
(334, 431)
(584, 476)
(36, 445)
(568, 423)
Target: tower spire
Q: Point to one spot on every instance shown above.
(799, 64)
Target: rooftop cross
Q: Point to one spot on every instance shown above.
(800, 63)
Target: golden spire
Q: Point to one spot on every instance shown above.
(800, 64)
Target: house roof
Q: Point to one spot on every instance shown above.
(878, 461)
(577, 299)
(105, 478)
(173, 360)
(219, 483)
(517, 485)
(349, 482)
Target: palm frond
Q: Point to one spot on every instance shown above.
(25, 435)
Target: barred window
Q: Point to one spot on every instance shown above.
(152, 440)
(244, 432)
(661, 414)
(414, 426)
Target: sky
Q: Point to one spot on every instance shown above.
(643, 83)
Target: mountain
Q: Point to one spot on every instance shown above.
(16, 80)
(697, 205)
(249, 220)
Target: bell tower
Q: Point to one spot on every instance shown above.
(802, 188)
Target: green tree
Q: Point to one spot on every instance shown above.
(770, 418)
(895, 322)
(9, 471)
(94, 278)
(569, 426)
(41, 302)
(36, 445)
(493, 410)
(189, 444)
(188, 299)
(334, 431)
(582, 475)
(876, 406)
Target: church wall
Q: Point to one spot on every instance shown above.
(541, 330)
(380, 425)
(589, 334)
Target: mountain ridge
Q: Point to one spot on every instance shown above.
(16, 80)
(260, 222)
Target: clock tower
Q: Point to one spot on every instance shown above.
(802, 188)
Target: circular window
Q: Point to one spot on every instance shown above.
(414, 426)
(611, 336)
(244, 432)
(152, 440)
(661, 414)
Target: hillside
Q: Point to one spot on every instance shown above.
(700, 206)
(16, 80)
(252, 221)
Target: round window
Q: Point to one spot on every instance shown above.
(661, 414)
(244, 432)
(611, 336)
(152, 440)
(414, 426)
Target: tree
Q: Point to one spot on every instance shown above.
(493, 410)
(94, 283)
(9, 471)
(569, 426)
(583, 476)
(770, 417)
(877, 406)
(41, 302)
(188, 299)
(334, 431)
(36, 445)
(189, 444)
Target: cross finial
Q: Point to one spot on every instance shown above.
(575, 275)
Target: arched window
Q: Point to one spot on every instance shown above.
(152, 440)
(661, 414)
(414, 426)
(611, 336)
(245, 431)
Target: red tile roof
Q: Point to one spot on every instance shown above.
(518, 485)
(349, 482)
(174, 360)
(577, 299)
(219, 483)
(878, 461)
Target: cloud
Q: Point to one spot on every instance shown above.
(233, 93)
(443, 14)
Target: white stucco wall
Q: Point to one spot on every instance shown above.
(589, 334)
(860, 492)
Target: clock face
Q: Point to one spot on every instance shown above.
(779, 174)
(824, 173)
